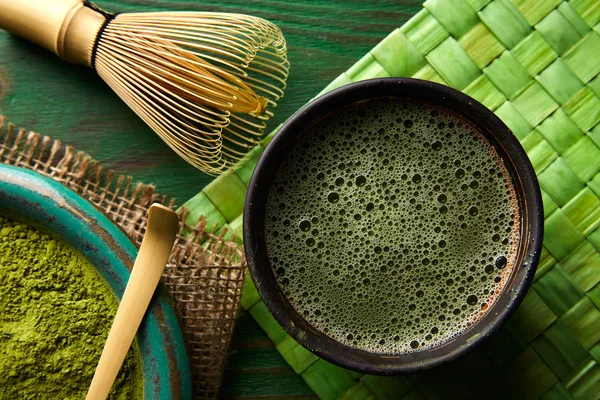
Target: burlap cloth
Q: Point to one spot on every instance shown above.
(205, 273)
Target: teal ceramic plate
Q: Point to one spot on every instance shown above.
(28, 196)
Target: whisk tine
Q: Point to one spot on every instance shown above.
(212, 96)
(129, 45)
(201, 81)
(174, 42)
(152, 85)
(153, 111)
(226, 35)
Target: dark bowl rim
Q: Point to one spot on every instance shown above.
(524, 179)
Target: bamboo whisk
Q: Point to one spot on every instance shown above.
(204, 82)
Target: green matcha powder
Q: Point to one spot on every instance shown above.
(55, 314)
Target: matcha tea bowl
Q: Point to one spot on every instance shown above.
(63, 267)
(392, 225)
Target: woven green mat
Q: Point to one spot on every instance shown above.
(536, 64)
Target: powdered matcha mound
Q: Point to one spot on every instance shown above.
(55, 314)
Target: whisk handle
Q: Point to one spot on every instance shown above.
(65, 27)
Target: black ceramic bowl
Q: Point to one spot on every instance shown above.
(524, 182)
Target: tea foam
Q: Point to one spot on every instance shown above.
(392, 226)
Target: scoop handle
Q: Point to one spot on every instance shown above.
(145, 275)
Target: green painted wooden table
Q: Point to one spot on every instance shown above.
(40, 92)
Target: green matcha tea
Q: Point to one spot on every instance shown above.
(55, 314)
(393, 226)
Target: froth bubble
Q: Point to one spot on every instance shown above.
(501, 262)
(361, 180)
(333, 197)
(305, 225)
(472, 300)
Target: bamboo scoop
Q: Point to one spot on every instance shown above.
(146, 272)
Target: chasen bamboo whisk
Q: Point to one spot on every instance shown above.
(204, 82)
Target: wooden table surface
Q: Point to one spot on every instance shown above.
(40, 92)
